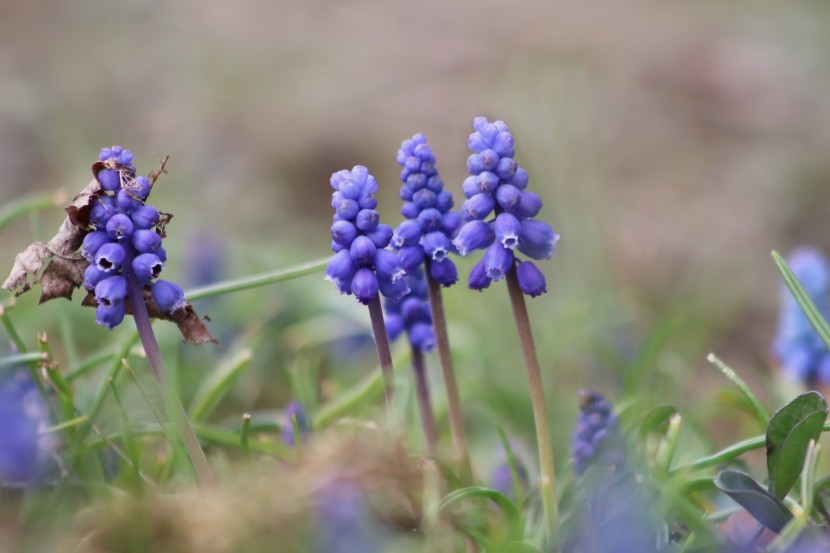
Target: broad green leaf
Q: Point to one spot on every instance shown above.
(788, 435)
(749, 494)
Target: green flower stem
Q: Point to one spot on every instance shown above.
(22, 359)
(547, 481)
(424, 406)
(240, 284)
(387, 368)
(439, 323)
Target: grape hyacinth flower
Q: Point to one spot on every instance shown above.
(501, 478)
(411, 315)
(499, 217)
(497, 187)
(425, 237)
(361, 264)
(801, 352)
(124, 247)
(24, 446)
(597, 438)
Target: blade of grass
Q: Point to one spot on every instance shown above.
(22, 359)
(264, 279)
(733, 377)
(217, 385)
(30, 204)
(514, 471)
(803, 299)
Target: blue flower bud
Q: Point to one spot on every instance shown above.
(111, 290)
(470, 187)
(475, 164)
(381, 236)
(507, 229)
(436, 245)
(119, 227)
(110, 316)
(367, 220)
(443, 201)
(145, 217)
(529, 205)
(92, 276)
(161, 253)
(410, 210)
(478, 279)
(519, 180)
(416, 181)
(139, 188)
(146, 241)
(497, 261)
(363, 251)
(394, 290)
(531, 280)
(347, 209)
(126, 202)
(423, 198)
(488, 182)
(365, 286)
(430, 219)
(343, 232)
(415, 309)
(406, 193)
(478, 207)
(110, 180)
(434, 183)
(451, 222)
(393, 324)
(537, 241)
(411, 257)
(109, 257)
(102, 209)
(506, 168)
(388, 265)
(473, 235)
(489, 160)
(92, 243)
(422, 336)
(168, 296)
(339, 177)
(147, 267)
(444, 272)
(508, 196)
(340, 268)
(503, 144)
(408, 233)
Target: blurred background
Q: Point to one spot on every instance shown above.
(674, 144)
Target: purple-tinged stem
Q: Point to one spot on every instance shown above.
(384, 353)
(424, 406)
(547, 482)
(151, 348)
(439, 323)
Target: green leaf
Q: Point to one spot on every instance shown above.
(511, 513)
(657, 418)
(264, 279)
(765, 507)
(733, 377)
(217, 385)
(803, 299)
(788, 435)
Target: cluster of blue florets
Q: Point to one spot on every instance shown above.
(411, 313)
(799, 349)
(361, 264)
(597, 437)
(497, 185)
(124, 248)
(430, 222)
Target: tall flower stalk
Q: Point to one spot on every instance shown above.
(425, 237)
(497, 186)
(361, 266)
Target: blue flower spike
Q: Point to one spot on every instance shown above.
(597, 438)
(411, 314)
(499, 213)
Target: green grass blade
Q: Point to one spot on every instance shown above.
(217, 385)
(733, 377)
(22, 359)
(803, 299)
(30, 204)
(264, 279)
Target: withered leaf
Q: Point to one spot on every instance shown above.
(59, 268)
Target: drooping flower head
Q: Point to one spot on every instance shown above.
(499, 213)
(799, 349)
(597, 437)
(361, 264)
(23, 420)
(124, 245)
(411, 313)
(430, 222)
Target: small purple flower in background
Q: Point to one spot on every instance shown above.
(431, 224)
(497, 187)
(799, 349)
(411, 314)
(124, 245)
(597, 438)
(501, 477)
(23, 419)
(361, 265)
(345, 524)
(294, 409)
